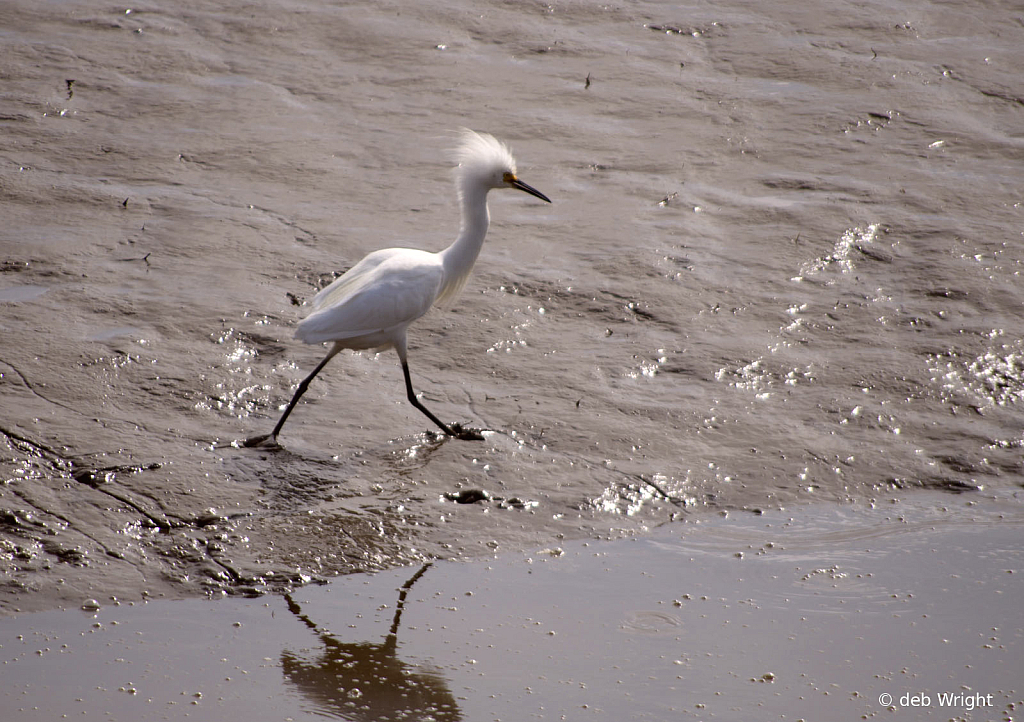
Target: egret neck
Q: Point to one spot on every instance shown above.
(459, 257)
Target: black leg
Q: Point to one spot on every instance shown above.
(455, 430)
(416, 402)
(257, 440)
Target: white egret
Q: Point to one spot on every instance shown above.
(372, 304)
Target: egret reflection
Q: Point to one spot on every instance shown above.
(367, 680)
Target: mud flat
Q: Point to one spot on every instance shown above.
(782, 266)
(780, 279)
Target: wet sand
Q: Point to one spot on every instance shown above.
(819, 615)
(780, 279)
(782, 266)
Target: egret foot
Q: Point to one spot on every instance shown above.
(266, 440)
(466, 434)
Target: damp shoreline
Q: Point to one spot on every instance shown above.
(822, 611)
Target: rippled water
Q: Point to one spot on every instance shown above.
(782, 263)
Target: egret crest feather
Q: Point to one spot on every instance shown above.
(480, 155)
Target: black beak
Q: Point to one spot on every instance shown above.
(518, 184)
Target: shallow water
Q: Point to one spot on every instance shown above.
(782, 266)
(846, 612)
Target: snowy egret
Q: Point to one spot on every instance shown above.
(372, 304)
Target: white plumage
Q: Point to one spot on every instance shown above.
(372, 304)
(481, 155)
(389, 288)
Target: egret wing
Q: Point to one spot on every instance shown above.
(353, 279)
(387, 289)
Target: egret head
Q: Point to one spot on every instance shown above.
(485, 162)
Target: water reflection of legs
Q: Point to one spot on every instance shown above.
(367, 680)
